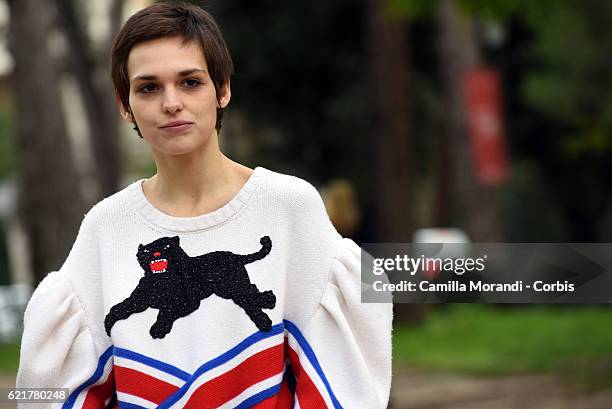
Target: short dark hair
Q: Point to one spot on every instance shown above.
(171, 19)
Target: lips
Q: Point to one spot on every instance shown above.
(159, 265)
(176, 126)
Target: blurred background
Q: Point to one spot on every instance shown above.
(491, 118)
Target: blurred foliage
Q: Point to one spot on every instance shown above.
(564, 89)
(528, 210)
(478, 339)
(495, 10)
(5, 277)
(301, 76)
(572, 84)
(7, 140)
(554, 61)
(569, 79)
(9, 357)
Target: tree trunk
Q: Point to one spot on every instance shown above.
(97, 94)
(389, 70)
(116, 17)
(50, 204)
(459, 53)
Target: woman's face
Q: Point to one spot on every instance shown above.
(172, 97)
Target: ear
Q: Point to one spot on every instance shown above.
(126, 114)
(225, 94)
(139, 247)
(175, 240)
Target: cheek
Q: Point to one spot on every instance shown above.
(133, 104)
(140, 108)
(208, 109)
(135, 108)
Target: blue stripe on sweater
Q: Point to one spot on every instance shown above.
(69, 404)
(255, 399)
(154, 363)
(308, 351)
(126, 405)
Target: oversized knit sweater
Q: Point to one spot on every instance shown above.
(256, 304)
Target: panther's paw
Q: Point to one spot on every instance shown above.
(267, 299)
(158, 330)
(264, 323)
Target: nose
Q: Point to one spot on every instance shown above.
(157, 254)
(172, 103)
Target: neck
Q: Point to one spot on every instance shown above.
(195, 183)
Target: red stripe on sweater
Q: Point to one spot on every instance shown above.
(144, 386)
(306, 391)
(227, 386)
(99, 394)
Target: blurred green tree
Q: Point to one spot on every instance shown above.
(558, 101)
(301, 77)
(7, 140)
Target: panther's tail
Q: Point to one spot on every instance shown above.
(266, 246)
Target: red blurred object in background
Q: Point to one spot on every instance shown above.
(483, 104)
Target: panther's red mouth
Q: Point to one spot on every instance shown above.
(159, 265)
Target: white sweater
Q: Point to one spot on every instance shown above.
(281, 327)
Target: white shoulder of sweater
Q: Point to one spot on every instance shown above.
(58, 348)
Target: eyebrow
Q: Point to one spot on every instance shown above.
(183, 73)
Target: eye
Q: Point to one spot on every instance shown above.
(167, 246)
(146, 250)
(147, 88)
(191, 83)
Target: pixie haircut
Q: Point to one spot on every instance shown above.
(171, 19)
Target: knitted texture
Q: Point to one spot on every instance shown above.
(259, 306)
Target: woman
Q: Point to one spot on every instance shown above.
(209, 284)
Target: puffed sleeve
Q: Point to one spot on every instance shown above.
(342, 358)
(59, 351)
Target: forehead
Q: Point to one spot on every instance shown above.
(163, 56)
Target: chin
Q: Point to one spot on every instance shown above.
(178, 144)
(178, 149)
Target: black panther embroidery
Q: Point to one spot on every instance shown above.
(175, 284)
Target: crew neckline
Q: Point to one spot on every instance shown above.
(186, 224)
